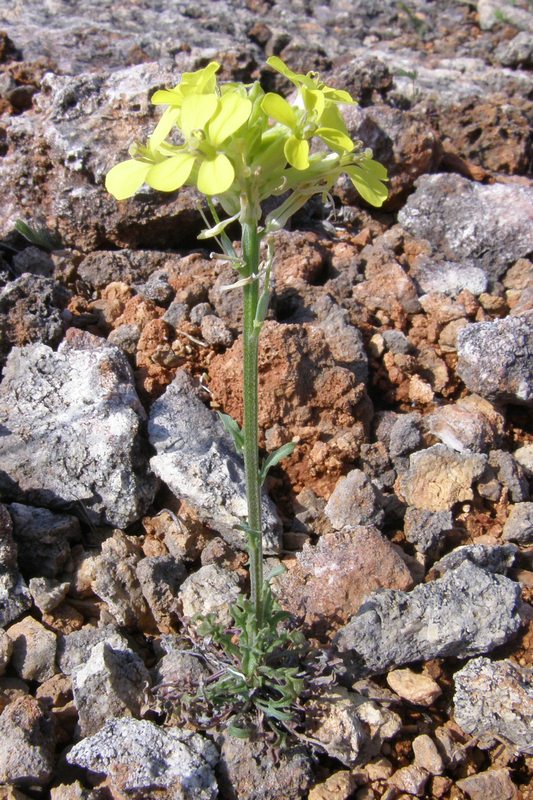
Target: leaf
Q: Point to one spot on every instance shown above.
(297, 152)
(217, 229)
(337, 140)
(239, 733)
(274, 458)
(232, 113)
(232, 427)
(279, 109)
(123, 180)
(369, 183)
(170, 174)
(215, 175)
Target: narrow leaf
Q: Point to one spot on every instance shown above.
(232, 427)
(274, 458)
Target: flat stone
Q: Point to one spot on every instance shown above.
(465, 613)
(329, 580)
(519, 524)
(82, 448)
(417, 688)
(461, 428)
(34, 650)
(110, 684)
(427, 754)
(138, 757)
(210, 590)
(198, 462)
(488, 225)
(439, 477)
(495, 784)
(494, 699)
(354, 501)
(27, 743)
(494, 359)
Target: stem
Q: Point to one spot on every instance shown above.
(250, 251)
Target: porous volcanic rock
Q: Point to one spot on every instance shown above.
(71, 435)
(467, 612)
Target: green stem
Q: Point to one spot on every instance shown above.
(250, 251)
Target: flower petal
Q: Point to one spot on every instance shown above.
(196, 111)
(163, 127)
(202, 81)
(297, 152)
(171, 173)
(215, 175)
(168, 97)
(279, 109)
(368, 184)
(232, 113)
(338, 96)
(314, 101)
(337, 140)
(124, 179)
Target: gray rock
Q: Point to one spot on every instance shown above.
(354, 501)
(210, 590)
(254, 770)
(465, 613)
(30, 311)
(138, 757)
(176, 314)
(517, 52)
(344, 339)
(35, 261)
(157, 288)
(493, 12)
(15, 597)
(498, 558)
(74, 649)
(71, 431)
(197, 461)
(427, 755)
(489, 226)
(126, 337)
(215, 331)
(448, 277)
(411, 779)
(494, 700)
(179, 672)
(519, 524)
(199, 311)
(43, 539)
(160, 578)
(116, 580)
(34, 650)
(427, 529)
(112, 683)
(6, 648)
(127, 266)
(495, 359)
(511, 474)
(396, 342)
(48, 593)
(27, 744)
(405, 435)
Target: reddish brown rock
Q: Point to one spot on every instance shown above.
(299, 256)
(328, 582)
(26, 743)
(303, 395)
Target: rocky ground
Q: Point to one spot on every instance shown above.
(398, 354)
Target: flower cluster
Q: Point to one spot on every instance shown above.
(243, 145)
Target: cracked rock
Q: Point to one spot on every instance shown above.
(75, 648)
(26, 743)
(72, 424)
(494, 700)
(466, 613)
(198, 462)
(139, 759)
(210, 590)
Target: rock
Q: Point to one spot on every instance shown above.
(215, 331)
(126, 337)
(354, 501)
(70, 791)
(488, 225)
(461, 428)
(160, 578)
(256, 771)
(34, 650)
(30, 312)
(387, 287)
(33, 260)
(447, 277)
(138, 757)
(74, 649)
(516, 52)
(6, 648)
(304, 394)
(494, 359)
(497, 558)
(210, 590)
(48, 593)
(427, 755)
(26, 744)
(495, 784)
(427, 529)
(116, 581)
(411, 779)
(351, 727)
(414, 687)
(339, 786)
(179, 672)
(112, 683)
(465, 613)
(510, 474)
(452, 744)
(405, 435)
(43, 539)
(524, 457)
(85, 448)
(331, 579)
(495, 700)
(344, 340)
(519, 524)
(198, 462)
(439, 477)
(491, 14)
(15, 597)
